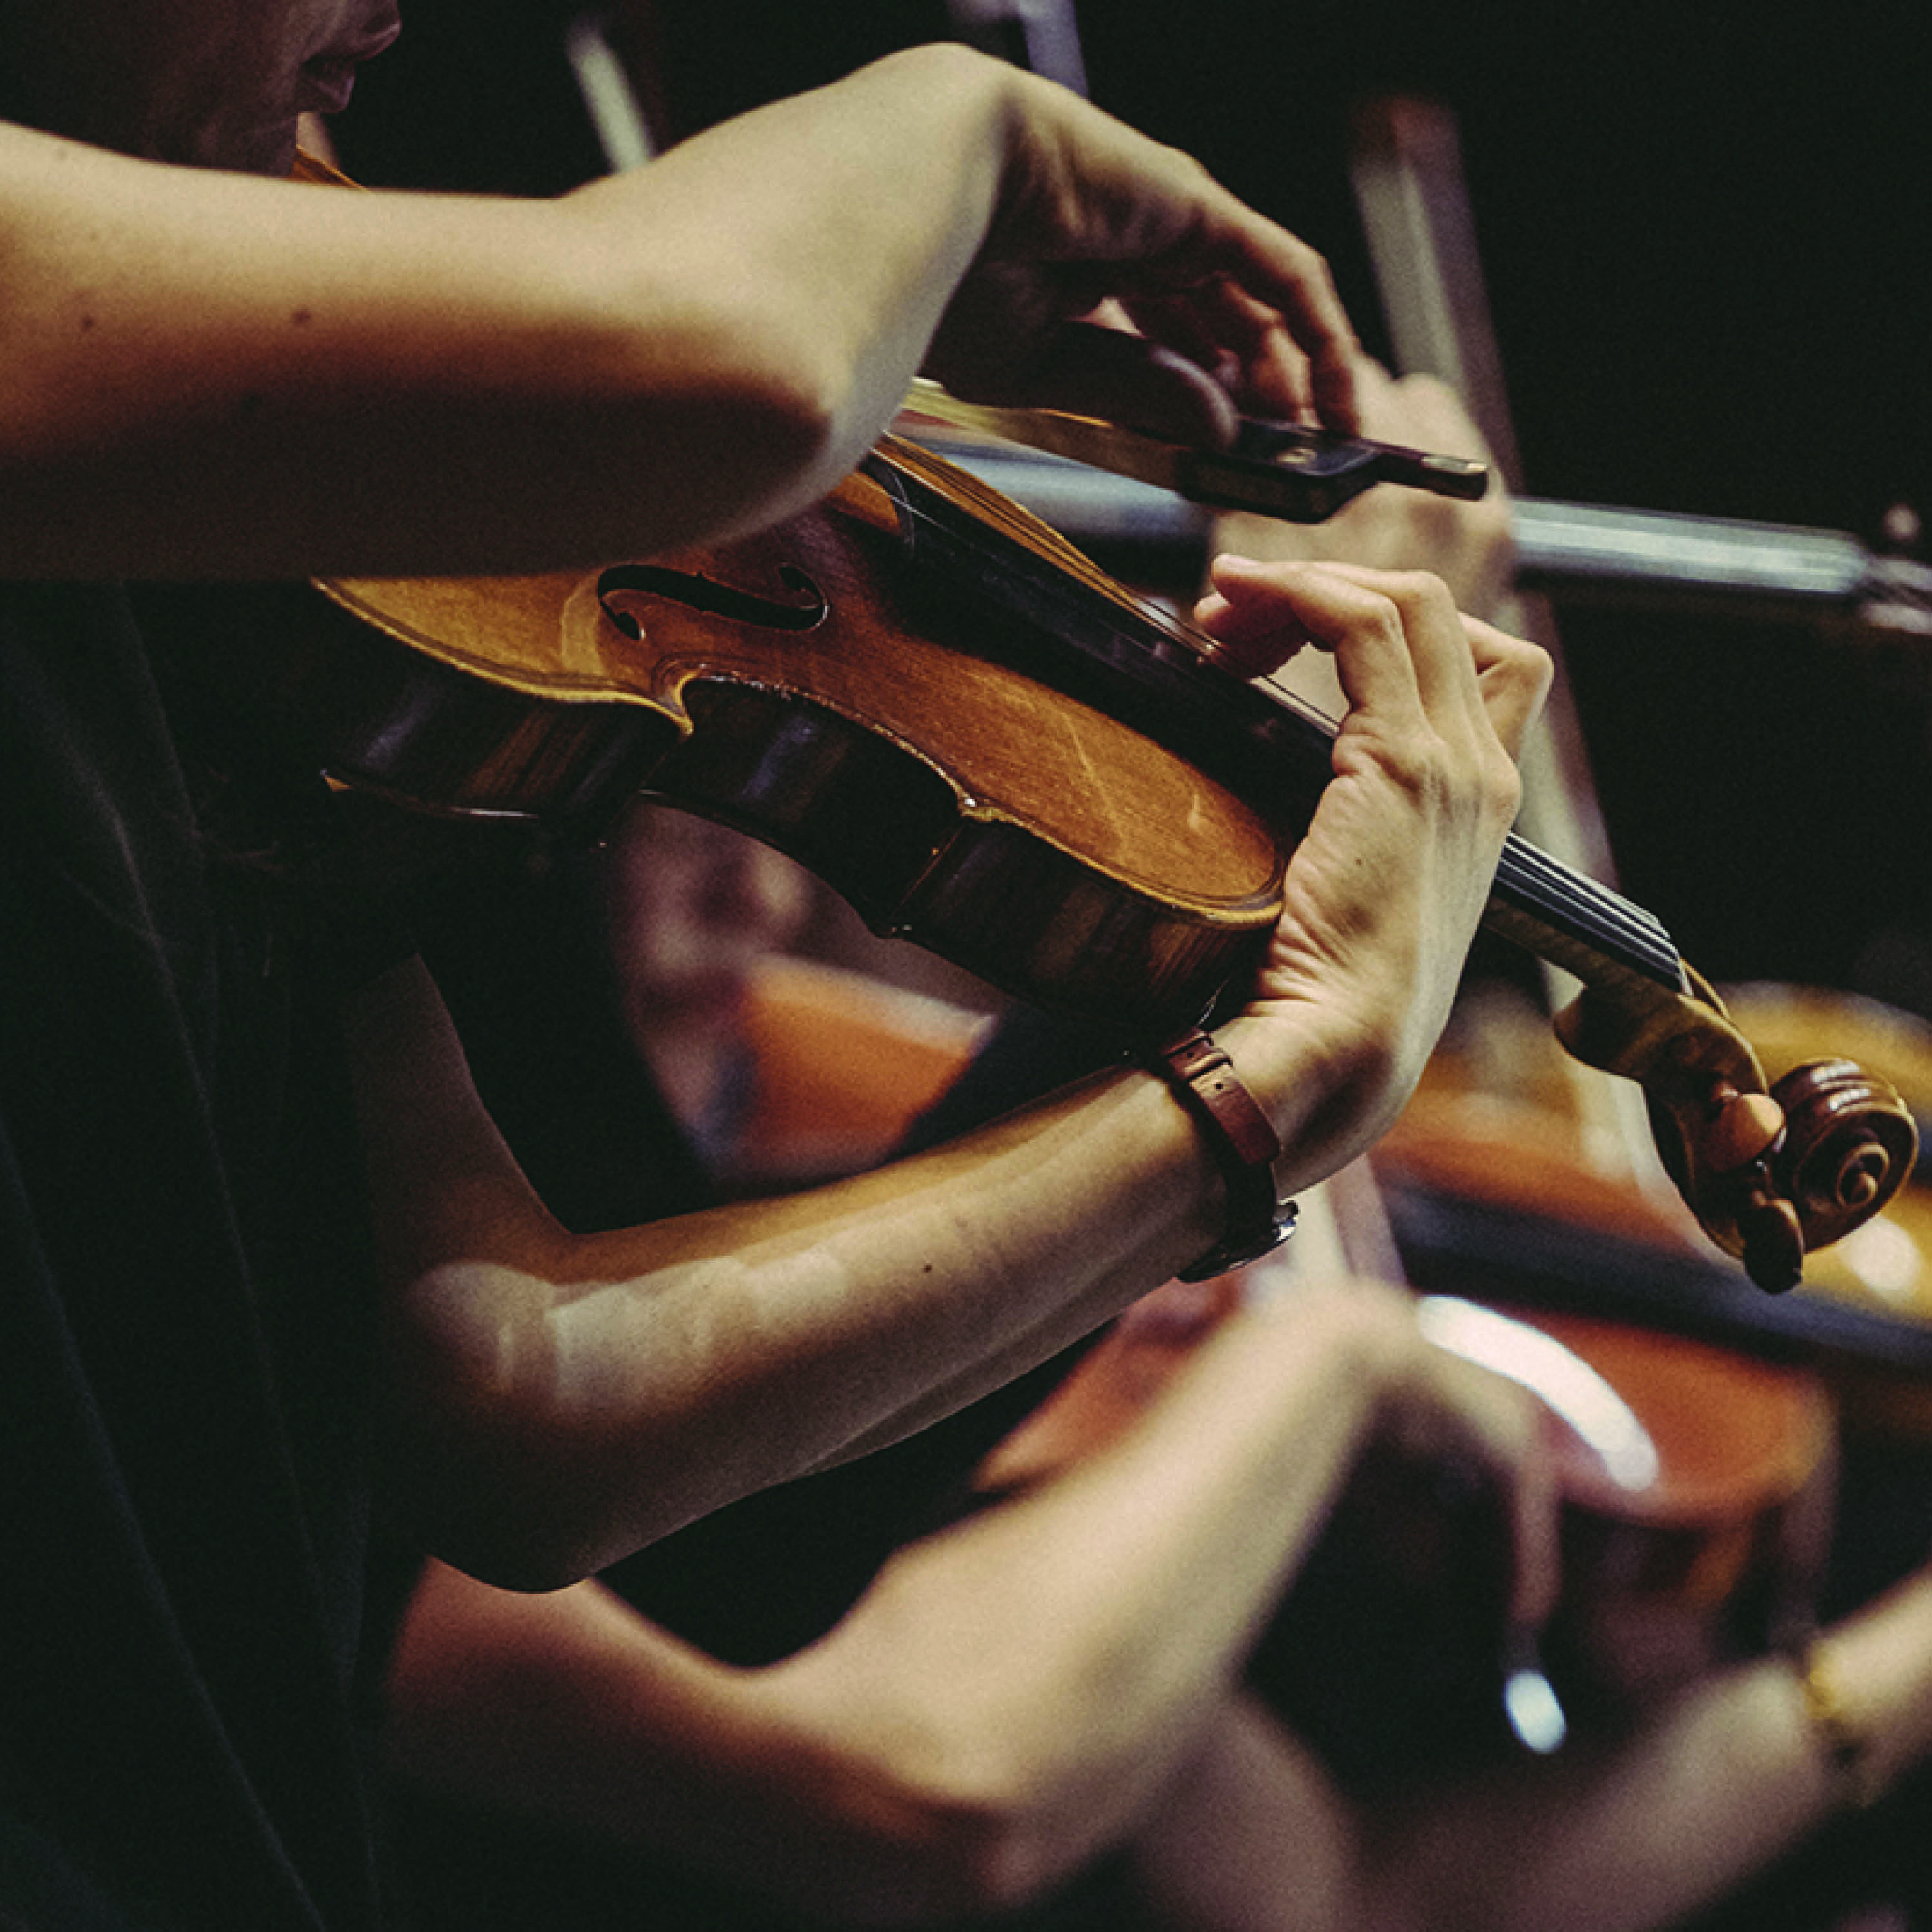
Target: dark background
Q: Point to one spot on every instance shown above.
(1701, 226)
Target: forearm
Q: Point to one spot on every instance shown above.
(1001, 1704)
(1039, 1670)
(595, 1393)
(580, 1399)
(572, 1709)
(206, 374)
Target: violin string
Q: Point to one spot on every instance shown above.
(1608, 906)
(1590, 908)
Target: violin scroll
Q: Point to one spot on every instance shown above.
(1849, 1143)
(1772, 1172)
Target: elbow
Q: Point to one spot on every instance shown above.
(492, 1516)
(730, 399)
(461, 1463)
(493, 1499)
(523, 1557)
(795, 416)
(770, 433)
(533, 1435)
(512, 1515)
(492, 1458)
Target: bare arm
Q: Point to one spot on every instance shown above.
(1012, 1693)
(560, 1401)
(556, 1402)
(206, 374)
(1058, 1675)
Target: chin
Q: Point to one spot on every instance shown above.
(272, 151)
(265, 145)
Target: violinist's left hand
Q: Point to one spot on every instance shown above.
(1383, 895)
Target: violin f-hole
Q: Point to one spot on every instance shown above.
(697, 592)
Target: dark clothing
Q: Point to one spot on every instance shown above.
(186, 1297)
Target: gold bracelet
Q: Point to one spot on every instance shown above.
(1843, 1745)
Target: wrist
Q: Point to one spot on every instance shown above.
(1841, 1734)
(1865, 1688)
(1330, 1092)
(1242, 1141)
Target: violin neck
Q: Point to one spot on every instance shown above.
(1535, 901)
(1578, 924)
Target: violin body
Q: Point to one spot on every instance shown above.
(815, 686)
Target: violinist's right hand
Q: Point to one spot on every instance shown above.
(1229, 313)
(1383, 895)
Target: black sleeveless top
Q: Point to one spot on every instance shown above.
(185, 1320)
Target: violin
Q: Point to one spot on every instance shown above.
(991, 748)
